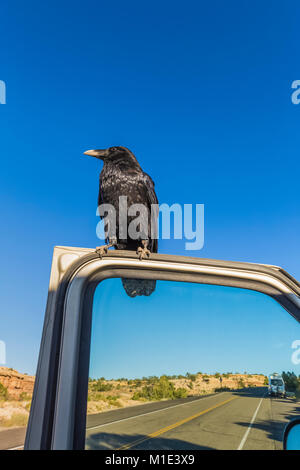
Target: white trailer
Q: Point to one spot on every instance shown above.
(276, 386)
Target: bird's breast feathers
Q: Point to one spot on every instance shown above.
(134, 187)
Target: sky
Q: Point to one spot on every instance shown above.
(199, 91)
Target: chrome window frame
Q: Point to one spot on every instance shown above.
(58, 411)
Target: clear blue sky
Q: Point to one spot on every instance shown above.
(200, 91)
(193, 328)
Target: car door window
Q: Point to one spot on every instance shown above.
(188, 366)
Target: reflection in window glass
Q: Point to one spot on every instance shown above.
(188, 366)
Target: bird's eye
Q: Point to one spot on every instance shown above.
(113, 149)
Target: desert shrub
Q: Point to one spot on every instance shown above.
(28, 406)
(241, 383)
(3, 392)
(112, 397)
(137, 396)
(192, 377)
(152, 379)
(160, 390)
(17, 419)
(95, 396)
(24, 396)
(101, 386)
(112, 400)
(180, 393)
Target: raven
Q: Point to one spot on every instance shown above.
(122, 175)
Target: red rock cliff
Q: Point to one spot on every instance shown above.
(15, 382)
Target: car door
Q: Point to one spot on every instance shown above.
(184, 367)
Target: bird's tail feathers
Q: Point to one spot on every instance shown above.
(137, 287)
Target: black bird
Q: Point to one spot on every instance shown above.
(122, 175)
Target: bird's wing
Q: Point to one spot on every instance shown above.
(100, 195)
(152, 199)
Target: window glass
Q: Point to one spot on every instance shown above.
(188, 367)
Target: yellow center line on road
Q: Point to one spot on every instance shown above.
(172, 426)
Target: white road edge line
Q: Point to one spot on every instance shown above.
(151, 412)
(243, 441)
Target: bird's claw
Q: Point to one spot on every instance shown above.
(143, 252)
(101, 250)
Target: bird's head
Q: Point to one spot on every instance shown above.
(117, 155)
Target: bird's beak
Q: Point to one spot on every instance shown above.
(99, 153)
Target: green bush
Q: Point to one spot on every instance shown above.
(192, 377)
(24, 396)
(28, 406)
(3, 392)
(241, 383)
(297, 394)
(180, 393)
(113, 400)
(101, 386)
(160, 390)
(137, 396)
(292, 382)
